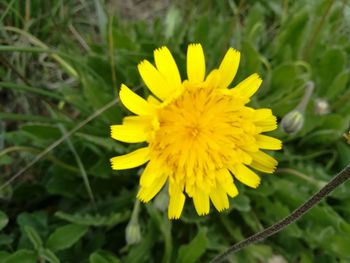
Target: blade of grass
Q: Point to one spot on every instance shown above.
(59, 141)
(26, 117)
(111, 50)
(76, 156)
(8, 7)
(7, 48)
(35, 151)
(35, 41)
(21, 87)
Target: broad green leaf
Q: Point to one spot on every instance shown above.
(292, 35)
(33, 237)
(66, 236)
(332, 63)
(36, 220)
(103, 257)
(192, 252)
(172, 18)
(42, 132)
(3, 220)
(94, 220)
(49, 256)
(241, 203)
(283, 79)
(338, 86)
(21, 256)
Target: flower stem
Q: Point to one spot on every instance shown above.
(339, 179)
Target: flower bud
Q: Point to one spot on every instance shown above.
(322, 107)
(162, 200)
(292, 122)
(347, 137)
(133, 233)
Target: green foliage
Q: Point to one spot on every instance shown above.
(62, 61)
(66, 236)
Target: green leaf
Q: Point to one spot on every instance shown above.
(172, 18)
(49, 256)
(66, 236)
(241, 203)
(3, 220)
(338, 85)
(42, 132)
(192, 252)
(283, 78)
(21, 256)
(332, 63)
(94, 220)
(103, 257)
(33, 237)
(37, 220)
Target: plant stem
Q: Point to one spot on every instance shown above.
(339, 179)
(309, 45)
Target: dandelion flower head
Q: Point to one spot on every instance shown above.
(201, 136)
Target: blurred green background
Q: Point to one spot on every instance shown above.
(62, 63)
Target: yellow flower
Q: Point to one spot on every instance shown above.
(200, 134)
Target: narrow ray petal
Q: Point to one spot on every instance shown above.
(195, 63)
(176, 202)
(154, 80)
(134, 102)
(249, 86)
(268, 143)
(153, 100)
(245, 175)
(129, 133)
(263, 162)
(213, 79)
(201, 202)
(219, 198)
(145, 194)
(130, 160)
(226, 181)
(167, 67)
(228, 67)
(150, 173)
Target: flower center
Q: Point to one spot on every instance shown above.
(200, 131)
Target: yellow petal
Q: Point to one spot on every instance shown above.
(134, 102)
(130, 160)
(264, 119)
(154, 80)
(249, 86)
(268, 143)
(228, 67)
(263, 162)
(167, 67)
(176, 203)
(219, 198)
(195, 63)
(141, 121)
(261, 114)
(201, 202)
(213, 79)
(245, 175)
(226, 181)
(153, 100)
(150, 173)
(145, 194)
(129, 133)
